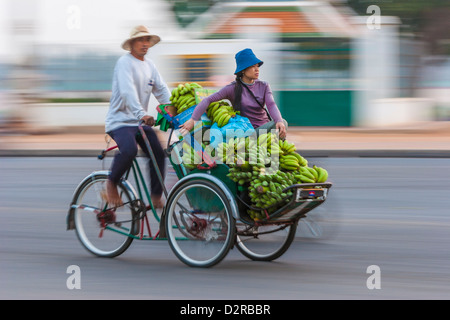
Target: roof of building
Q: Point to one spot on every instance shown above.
(289, 19)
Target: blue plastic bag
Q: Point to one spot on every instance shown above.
(237, 127)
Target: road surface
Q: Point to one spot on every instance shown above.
(390, 240)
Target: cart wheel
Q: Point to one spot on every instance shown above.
(199, 223)
(264, 243)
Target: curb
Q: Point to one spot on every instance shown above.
(304, 152)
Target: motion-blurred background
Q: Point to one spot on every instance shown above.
(342, 63)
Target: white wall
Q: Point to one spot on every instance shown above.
(5, 36)
(375, 67)
(58, 115)
(398, 111)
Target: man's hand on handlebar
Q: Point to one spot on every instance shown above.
(148, 120)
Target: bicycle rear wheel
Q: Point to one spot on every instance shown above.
(199, 223)
(102, 230)
(264, 242)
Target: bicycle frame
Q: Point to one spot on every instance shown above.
(142, 191)
(142, 187)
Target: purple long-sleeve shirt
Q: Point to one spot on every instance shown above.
(249, 107)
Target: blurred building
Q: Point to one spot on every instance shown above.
(326, 65)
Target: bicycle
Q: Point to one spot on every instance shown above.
(203, 218)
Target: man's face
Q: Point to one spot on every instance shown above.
(140, 46)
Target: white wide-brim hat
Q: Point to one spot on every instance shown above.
(138, 32)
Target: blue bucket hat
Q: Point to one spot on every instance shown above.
(244, 59)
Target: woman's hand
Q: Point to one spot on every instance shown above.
(186, 127)
(281, 129)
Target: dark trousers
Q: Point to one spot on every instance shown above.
(127, 139)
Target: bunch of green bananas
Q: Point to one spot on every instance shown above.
(270, 142)
(226, 152)
(190, 158)
(266, 149)
(266, 191)
(265, 186)
(242, 150)
(266, 183)
(183, 96)
(287, 147)
(292, 161)
(311, 175)
(242, 174)
(220, 112)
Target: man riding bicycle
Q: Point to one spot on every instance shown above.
(135, 79)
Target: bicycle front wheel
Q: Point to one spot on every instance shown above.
(199, 223)
(102, 230)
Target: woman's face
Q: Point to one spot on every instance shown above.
(251, 73)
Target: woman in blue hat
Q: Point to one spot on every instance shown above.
(248, 95)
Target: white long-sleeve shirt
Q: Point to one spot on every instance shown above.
(134, 82)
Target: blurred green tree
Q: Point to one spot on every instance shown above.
(186, 11)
